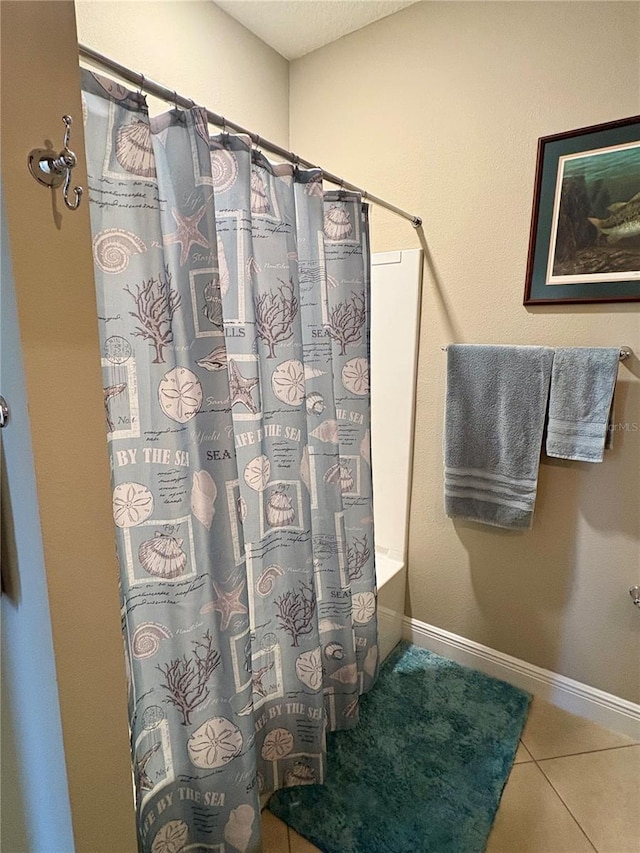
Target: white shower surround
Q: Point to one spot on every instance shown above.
(395, 312)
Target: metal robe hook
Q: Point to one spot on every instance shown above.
(53, 170)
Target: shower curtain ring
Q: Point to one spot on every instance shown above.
(175, 99)
(141, 84)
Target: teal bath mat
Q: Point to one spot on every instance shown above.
(424, 769)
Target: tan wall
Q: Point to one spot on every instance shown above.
(208, 56)
(53, 272)
(438, 108)
(199, 50)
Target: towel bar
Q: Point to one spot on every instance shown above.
(625, 352)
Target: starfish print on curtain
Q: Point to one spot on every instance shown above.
(226, 603)
(188, 233)
(241, 387)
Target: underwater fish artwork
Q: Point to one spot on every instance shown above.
(623, 222)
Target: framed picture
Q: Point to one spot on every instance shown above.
(584, 244)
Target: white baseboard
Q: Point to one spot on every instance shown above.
(603, 708)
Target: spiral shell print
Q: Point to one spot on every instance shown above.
(315, 403)
(224, 170)
(277, 744)
(334, 651)
(134, 150)
(217, 742)
(113, 247)
(203, 496)
(266, 581)
(146, 639)
(336, 223)
(163, 556)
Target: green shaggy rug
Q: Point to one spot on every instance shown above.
(424, 769)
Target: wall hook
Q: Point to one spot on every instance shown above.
(53, 170)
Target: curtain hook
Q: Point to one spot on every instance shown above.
(175, 99)
(141, 84)
(296, 163)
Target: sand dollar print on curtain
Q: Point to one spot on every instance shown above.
(233, 311)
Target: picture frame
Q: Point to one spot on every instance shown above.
(584, 242)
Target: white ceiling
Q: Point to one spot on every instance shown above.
(296, 27)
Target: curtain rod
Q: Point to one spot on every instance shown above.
(169, 95)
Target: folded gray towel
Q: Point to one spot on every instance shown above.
(495, 411)
(582, 383)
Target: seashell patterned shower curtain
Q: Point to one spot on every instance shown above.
(233, 303)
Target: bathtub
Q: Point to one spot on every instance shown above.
(395, 310)
(391, 578)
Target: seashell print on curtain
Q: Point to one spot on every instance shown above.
(233, 308)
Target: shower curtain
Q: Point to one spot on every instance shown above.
(233, 303)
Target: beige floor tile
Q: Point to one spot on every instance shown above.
(532, 818)
(551, 732)
(275, 834)
(298, 844)
(602, 791)
(522, 754)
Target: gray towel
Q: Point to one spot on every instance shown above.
(582, 383)
(495, 412)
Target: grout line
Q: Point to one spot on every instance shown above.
(558, 795)
(584, 752)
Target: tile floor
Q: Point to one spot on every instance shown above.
(574, 788)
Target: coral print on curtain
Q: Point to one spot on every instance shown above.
(233, 301)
